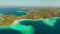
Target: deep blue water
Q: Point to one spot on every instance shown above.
(9, 31)
(13, 11)
(41, 28)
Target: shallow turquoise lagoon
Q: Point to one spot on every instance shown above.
(29, 26)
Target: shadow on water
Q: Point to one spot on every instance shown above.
(9, 31)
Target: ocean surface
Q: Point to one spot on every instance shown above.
(13, 10)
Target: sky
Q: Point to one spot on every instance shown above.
(30, 2)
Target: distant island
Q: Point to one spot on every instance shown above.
(32, 13)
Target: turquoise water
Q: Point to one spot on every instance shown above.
(40, 26)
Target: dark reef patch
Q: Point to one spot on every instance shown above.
(27, 22)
